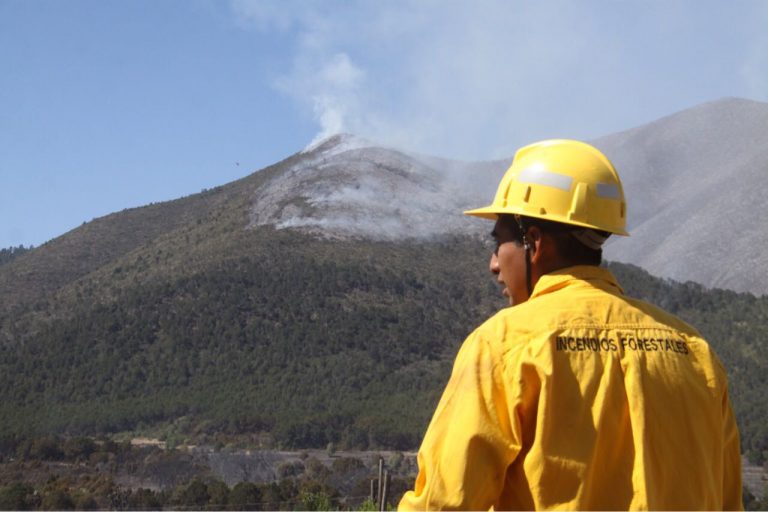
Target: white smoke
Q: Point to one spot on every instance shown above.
(477, 80)
(336, 85)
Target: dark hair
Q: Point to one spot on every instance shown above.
(567, 245)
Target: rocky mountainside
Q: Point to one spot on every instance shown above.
(348, 187)
(319, 299)
(696, 185)
(695, 182)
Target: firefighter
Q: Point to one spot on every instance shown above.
(576, 397)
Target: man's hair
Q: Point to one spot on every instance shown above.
(568, 245)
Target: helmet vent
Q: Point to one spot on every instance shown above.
(608, 191)
(527, 196)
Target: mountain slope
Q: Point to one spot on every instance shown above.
(346, 187)
(308, 340)
(696, 183)
(283, 336)
(321, 298)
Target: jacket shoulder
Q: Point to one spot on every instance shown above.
(661, 316)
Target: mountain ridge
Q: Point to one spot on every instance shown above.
(352, 190)
(693, 182)
(207, 312)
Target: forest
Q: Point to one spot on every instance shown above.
(286, 341)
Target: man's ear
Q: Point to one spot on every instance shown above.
(537, 242)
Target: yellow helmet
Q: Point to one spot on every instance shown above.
(564, 181)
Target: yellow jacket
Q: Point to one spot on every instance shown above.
(581, 398)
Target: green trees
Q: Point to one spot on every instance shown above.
(11, 253)
(57, 500)
(184, 479)
(17, 496)
(239, 340)
(194, 495)
(245, 496)
(295, 342)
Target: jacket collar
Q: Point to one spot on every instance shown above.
(598, 277)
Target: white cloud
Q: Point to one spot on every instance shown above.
(478, 79)
(266, 14)
(434, 77)
(755, 67)
(339, 72)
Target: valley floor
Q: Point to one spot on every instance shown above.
(146, 474)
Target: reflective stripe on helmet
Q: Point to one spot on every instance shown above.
(538, 175)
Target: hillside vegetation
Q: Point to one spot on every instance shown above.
(10, 254)
(296, 341)
(186, 319)
(311, 341)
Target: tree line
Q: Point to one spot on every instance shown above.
(298, 342)
(9, 254)
(89, 480)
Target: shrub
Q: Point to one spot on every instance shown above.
(15, 497)
(245, 496)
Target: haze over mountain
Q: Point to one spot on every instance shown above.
(346, 186)
(694, 180)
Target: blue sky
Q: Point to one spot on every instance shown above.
(108, 104)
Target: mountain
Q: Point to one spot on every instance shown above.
(696, 182)
(205, 312)
(348, 187)
(693, 180)
(321, 299)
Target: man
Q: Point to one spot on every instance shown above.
(576, 397)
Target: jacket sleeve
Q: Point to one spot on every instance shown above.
(469, 443)
(732, 487)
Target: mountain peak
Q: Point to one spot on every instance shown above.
(734, 101)
(337, 143)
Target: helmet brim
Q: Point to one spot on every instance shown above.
(483, 213)
(492, 213)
